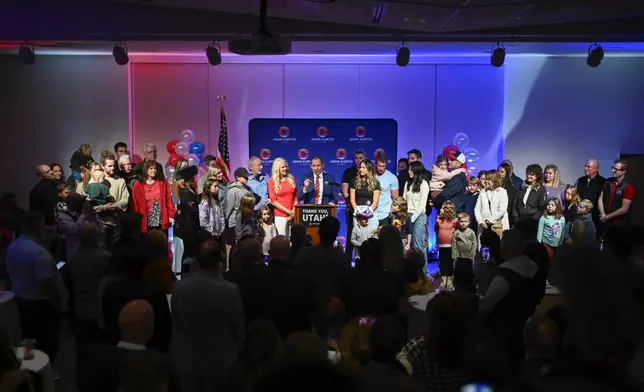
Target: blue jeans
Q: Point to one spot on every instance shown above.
(419, 233)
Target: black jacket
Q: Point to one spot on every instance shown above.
(534, 205)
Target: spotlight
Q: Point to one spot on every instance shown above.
(498, 55)
(120, 54)
(402, 55)
(595, 55)
(213, 53)
(27, 54)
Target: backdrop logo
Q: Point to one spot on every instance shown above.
(322, 132)
(378, 151)
(284, 132)
(265, 154)
(322, 135)
(341, 157)
(361, 135)
(303, 154)
(284, 135)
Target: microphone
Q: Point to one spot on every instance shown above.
(332, 183)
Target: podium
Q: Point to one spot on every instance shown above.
(310, 216)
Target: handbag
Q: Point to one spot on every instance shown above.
(496, 227)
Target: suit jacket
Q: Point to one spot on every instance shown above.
(329, 192)
(493, 207)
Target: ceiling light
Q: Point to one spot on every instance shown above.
(595, 55)
(120, 54)
(27, 54)
(498, 55)
(213, 53)
(402, 55)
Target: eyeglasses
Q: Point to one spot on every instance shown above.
(617, 169)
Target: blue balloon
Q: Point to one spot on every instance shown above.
(201, 159)
(197, 148)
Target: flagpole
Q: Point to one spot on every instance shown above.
(221, 98)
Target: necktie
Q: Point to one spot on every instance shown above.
(317, 189)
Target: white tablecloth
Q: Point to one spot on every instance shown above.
(40, 364)
(9, 318)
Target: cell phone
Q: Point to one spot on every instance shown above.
(476, 388)
(485, 254)
(365, 321)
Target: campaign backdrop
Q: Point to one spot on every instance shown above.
(335, 140)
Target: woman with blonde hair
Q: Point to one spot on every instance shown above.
(86, 176)
(364, 192)
(491, 209)
(552, 182)
(215, 173)
(282, 191)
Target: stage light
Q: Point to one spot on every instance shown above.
(498, 55)
(213, 53)
(27, 54)
(595, 55)
(120, 54)
(402, 55)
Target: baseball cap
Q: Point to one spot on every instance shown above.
(459, 156)
(241, 172)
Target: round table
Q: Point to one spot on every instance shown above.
(9, 318)
(39, 364)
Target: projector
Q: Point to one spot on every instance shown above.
(260, 44)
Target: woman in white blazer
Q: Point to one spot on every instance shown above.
(492, 204)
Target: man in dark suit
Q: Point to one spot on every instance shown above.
(454, 189)
(318, 187)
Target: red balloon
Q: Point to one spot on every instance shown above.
(170, 146)
(172, 161)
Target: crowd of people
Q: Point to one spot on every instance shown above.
(247, 302)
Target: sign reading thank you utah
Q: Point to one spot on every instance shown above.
(311, 217)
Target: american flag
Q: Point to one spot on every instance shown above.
(223, 159)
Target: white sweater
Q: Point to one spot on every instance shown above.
(416, 201)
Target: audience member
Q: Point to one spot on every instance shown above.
(157, 268)
(209, 324)
(144, 371)
(280, 293)
(12, 378)
(245, 260)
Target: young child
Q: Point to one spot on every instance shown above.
(464, 244)
(552, 226)
(245, 223)
(399, 219)
(571, 199)
(581, 230)
(64, 189)
(211, 215)
(445, 227)
(362, 232)
(470, 197)
(440, 174)
(97, 192)
(268, 228)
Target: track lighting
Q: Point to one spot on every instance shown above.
(213, 53)
(27, 54)
(120, 54)
(595, 55)
(498, 55)
(402, 55)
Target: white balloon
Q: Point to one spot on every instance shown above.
(471, 154)
(182, 149)
(187, 135)
(169, 173)
(461, 140)
(192, 159)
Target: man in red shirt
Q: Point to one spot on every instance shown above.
(616, 197)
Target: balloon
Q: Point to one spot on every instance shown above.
(136, 158)
(461, 140)
(187, 136)
(192, 159)
(172, 161)
(197, 148)
(201, 159)
(182, 149)
(171, 146)
(169, 172)
(471, 169)
(471, 154)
